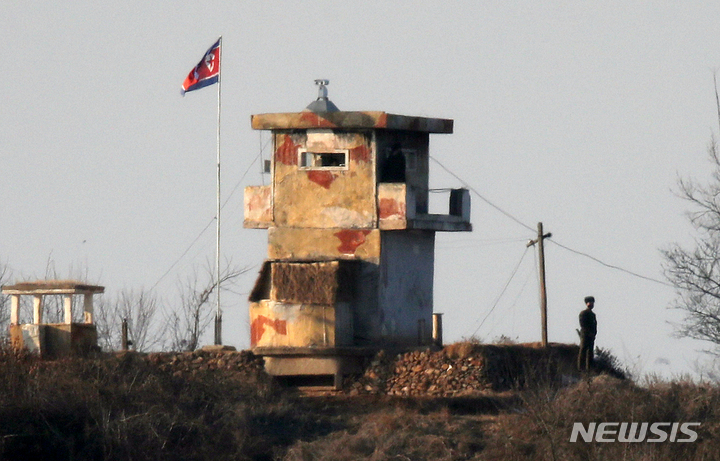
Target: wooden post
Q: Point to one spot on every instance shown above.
(124, 338)
(437, 333)
(543, 290)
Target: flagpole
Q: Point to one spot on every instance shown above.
(218, 312)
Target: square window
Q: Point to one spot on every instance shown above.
(324, 160)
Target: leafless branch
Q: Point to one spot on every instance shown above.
(192, 315)
(695, 272)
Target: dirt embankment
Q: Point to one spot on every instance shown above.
(455, 370)
(424, 404)
(466, 368)
(192, 363)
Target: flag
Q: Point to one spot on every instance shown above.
(206, 72)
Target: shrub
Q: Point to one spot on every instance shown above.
(544, 426)
(125, 407)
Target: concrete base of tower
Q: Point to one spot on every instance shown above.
(303, 365)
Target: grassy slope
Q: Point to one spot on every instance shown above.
(144, 408)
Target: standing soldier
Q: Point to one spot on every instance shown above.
(588, 331)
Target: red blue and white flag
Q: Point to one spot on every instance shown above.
(207, 72)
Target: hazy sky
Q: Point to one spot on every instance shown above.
(577, 114)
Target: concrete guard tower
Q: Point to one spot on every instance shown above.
(53, 340)
(350, 242)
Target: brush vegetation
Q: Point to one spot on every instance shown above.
(150, 407)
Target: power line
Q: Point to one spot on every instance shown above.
(182, 255)
(477, 243)
(189, 247)
(245, 174)
(522, 290)
(480, 195)
(502, 292)
(611, 266)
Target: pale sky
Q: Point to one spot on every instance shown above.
(577, 114)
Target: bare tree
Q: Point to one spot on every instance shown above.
(140, 309)
(695, 272)
(107, 323)
(194, 313)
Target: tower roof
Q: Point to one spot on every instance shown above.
(350, 120)
(49, 287)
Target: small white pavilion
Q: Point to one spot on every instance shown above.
(53, 339)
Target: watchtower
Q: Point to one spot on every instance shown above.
(53, 339)
(350, 240)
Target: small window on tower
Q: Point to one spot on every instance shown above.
(324, 160)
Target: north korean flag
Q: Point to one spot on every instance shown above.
(206, 72)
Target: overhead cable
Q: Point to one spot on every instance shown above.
(611, 266)
(502, 292)
(187, 250)
(480, 195)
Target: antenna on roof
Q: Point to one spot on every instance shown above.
(322, 103)
(322, 88)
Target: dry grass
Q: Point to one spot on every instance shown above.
(128, 407)
(542, 428)
(398, 429)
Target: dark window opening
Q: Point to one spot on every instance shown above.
(323, 159)
(393, 168)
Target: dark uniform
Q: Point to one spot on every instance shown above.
(588, 331)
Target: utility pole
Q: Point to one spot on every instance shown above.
(543, 291)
